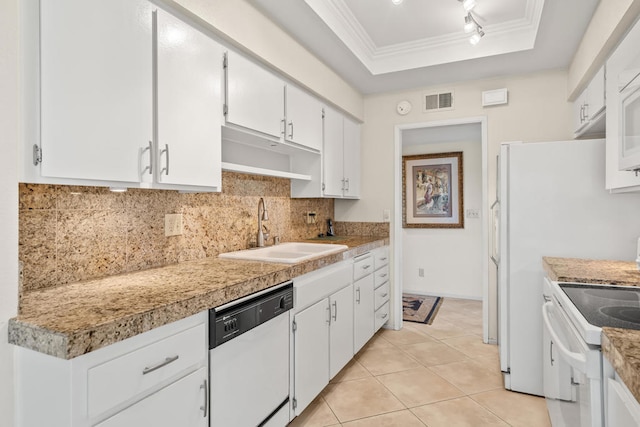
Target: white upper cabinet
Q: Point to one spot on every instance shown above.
(112, 115)
(303, 118)
(332, 153)
(589, 107)
(96, 88)
(351, 163)
(189, 105)
(254, 98)
(341, 156)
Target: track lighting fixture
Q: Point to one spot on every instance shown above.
(470, 23)
(468, 4)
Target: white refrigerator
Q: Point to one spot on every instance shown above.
(551, 202)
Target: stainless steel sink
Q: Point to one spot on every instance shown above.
(286, 253)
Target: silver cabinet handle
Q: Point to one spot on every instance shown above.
(384, 295)
(150, 167)
(358, 295)
(347, 181)
(283, 127)
(166, 153)
(335, 311)
(383, 258)
(157, 366)
(328, 315)
(384, 316)
(205, 407)
(291, 130)
(383, 275)
(366, 267)
(551, 352)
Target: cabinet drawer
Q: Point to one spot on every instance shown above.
(382, 315)
(381, 257)
(381, 295)
(362, 266)
(122, 378)
(381, 276)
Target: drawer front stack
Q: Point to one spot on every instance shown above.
(382, 288)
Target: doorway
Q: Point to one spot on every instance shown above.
(448, 133)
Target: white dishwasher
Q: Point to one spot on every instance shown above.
(249, 359)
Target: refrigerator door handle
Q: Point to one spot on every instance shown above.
(495, 227)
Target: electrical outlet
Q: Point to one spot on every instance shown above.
(311, 217)
(473, 213)
(421, 272)
(173, 225)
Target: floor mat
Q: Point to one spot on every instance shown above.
(420, 308)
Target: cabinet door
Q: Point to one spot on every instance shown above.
(351, 159)
(255, 97)
(311, 353)
(579, 112)
(182, 403)
(595, 94)
(364, 312)
(622, 409)
(189, 104)
(96, 88)
(332, 153)
(341, 330)
(304, 118)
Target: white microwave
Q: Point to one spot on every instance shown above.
(629, 131)
(628, 76)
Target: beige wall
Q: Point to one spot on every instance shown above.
(9, 137)
(241, 22)
(537, 111)
(609, 23)
(451, 258)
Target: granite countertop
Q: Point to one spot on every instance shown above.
(624, 273)
(621, 347)
(75, 319)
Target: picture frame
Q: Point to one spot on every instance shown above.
(432, 190)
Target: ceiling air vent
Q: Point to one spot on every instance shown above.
(438, 101)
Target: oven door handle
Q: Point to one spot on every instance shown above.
(576, 360)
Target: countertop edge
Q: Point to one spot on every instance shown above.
(73, 343)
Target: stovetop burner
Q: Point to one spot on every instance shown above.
(612, 306)
(626, 314)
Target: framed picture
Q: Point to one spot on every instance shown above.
(432, 191)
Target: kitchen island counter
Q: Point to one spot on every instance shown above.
(71, 320)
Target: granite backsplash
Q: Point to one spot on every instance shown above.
(69, 234)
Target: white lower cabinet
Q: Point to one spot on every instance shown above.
(156, 378)
(621, 409)
(183, 403)
(322, 338)
(363, 327)
(363, 299)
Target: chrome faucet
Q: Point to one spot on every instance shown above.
(261, 217)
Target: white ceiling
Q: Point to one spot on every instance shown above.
(379, 47)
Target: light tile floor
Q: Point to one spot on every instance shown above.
(438, 375)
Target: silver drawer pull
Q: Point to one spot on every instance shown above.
(384, 295)
(165, 362)
(384, 316)
(383, 275)
(205, 407)
(364, 267)
(383, 258)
